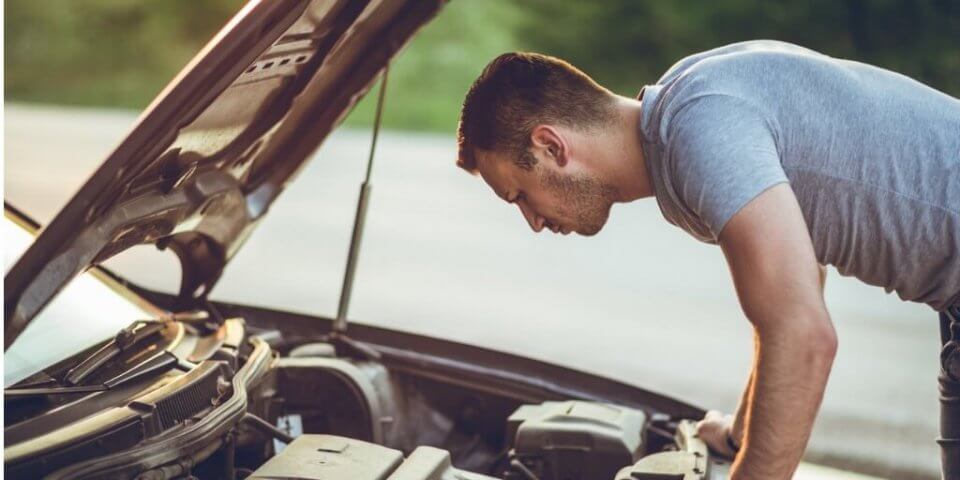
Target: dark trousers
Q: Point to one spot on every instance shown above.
(949, 380)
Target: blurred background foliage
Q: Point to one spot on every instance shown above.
(120, 53)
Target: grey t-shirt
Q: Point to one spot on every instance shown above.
(872, 156)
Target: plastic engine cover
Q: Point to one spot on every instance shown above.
(328, 457)
(690, 462)
(576, 440)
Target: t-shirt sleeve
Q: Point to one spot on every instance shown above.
(722, 153)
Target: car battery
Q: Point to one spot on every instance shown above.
(574, 440)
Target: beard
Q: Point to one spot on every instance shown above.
(583, 198)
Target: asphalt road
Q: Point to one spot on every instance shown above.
(642, 302)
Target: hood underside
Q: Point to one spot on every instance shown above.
(210, 154)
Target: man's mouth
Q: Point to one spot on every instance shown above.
(557, 228)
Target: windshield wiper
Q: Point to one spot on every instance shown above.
(43, 391)
(157, 363)
(135, 333)
(125, 339)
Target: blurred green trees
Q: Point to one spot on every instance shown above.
(120, 53)
(103, 52)
(626, 42)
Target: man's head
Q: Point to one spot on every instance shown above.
(529, 126)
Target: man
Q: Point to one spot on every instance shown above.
(788, 160)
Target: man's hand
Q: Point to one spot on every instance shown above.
(715, 429)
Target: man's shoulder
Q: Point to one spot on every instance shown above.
(751, 78)
(732, 54)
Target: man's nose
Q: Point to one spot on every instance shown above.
(536, 222)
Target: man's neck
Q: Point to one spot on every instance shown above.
(626, 167)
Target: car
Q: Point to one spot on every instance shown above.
(183, 386)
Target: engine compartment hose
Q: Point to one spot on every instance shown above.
(520, 467)
(265, 427)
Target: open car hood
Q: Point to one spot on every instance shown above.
(210, 154)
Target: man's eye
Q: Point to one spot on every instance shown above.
(519, 197)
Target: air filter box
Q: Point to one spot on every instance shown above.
(328, 457)
(575, 440)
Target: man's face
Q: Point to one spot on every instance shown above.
(563, 199)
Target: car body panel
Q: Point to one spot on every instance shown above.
(207, 158)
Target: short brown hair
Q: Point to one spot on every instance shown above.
(518, 91)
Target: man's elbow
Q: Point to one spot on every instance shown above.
(809, 333)
(822, 342)
(817, 342)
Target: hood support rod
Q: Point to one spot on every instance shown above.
(340, 323)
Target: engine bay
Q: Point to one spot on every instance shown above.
(397, 427)
(251, 401)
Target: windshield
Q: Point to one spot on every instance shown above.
(85, 313)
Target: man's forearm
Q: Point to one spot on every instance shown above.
(793, 363)
(740, 419)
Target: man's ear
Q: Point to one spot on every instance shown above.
(550, 140)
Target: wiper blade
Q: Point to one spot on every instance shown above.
(132, 335)
(155, 364)
(44, 391)
(126, 338)
(41, 383)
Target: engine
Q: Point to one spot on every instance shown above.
(571, 440)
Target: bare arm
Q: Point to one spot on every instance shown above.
(779, 284)
(739, 421)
